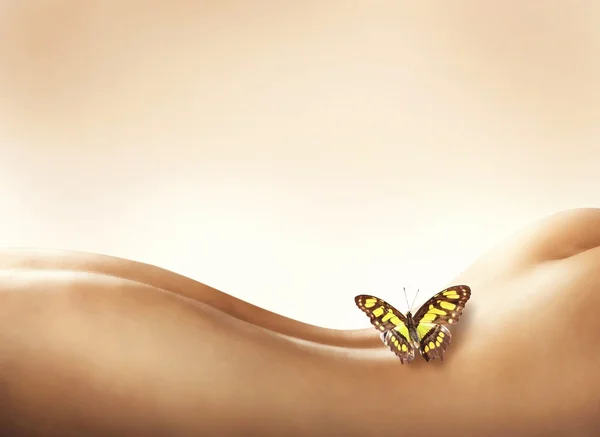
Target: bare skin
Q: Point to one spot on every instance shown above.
(94, 345)
(154, 109)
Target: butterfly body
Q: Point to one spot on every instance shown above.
(424, 331)
(412, 330)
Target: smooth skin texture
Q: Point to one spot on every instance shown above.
(95, 345)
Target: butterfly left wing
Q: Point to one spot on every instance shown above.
(382, 315)
(390, 322)
(399, 344)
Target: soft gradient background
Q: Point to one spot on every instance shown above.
(295, 154)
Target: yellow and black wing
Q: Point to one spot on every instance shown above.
(445, 308)
(434, 341)
(399, 344)
(390, 322)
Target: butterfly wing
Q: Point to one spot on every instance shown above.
(399, 344)
(382, 315)
(445, 307)
(434, 340)
(390, 322)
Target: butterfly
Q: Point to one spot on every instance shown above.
(425, 331)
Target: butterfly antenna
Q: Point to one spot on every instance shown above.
(414, 299)
(405, 297)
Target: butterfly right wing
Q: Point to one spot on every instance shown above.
(390, 322)
(443, 308)
(434, 340)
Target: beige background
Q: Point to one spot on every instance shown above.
(295, 154)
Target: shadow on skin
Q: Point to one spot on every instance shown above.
(95, 345)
